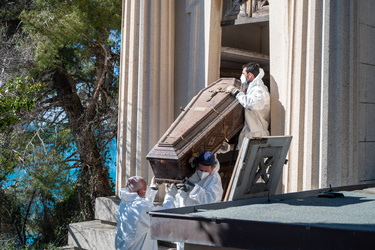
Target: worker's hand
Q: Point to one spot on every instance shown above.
(171, 189)
(187, 181)
(186, 186)
(231, 89)
(154, 185)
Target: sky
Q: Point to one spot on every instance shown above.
(113, 160)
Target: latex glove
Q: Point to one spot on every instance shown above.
(154, 185)
(233, 90)
(171, 189)
(186, 186)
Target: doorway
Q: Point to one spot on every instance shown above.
(245, 38)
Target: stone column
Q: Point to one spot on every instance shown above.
(198, 46)
(213, 9)
(314, 95)
(340, 86)
(146, 83)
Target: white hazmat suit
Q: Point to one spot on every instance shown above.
(206, 190)
(133, 221)
(256, 102)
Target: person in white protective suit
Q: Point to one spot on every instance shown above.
(204, 186)
(133, 220)
(255, 98)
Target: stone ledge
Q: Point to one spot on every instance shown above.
(92, 235)
(106, 208)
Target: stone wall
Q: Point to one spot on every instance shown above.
(321, 71)
(321, 68)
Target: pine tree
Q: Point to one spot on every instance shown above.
(58, 109)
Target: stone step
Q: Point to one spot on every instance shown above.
(106, 208)
(70, 248)
(94, 234)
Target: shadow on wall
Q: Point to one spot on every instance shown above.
(277, 123)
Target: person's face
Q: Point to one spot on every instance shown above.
(204, 168)
(249, 76)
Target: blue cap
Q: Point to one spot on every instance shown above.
(206, 159)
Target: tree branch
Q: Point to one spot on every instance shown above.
(92, 105)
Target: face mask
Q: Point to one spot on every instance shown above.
(243, 79)
(202, 174)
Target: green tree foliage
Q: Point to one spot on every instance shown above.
(16, 97)
(58, 112)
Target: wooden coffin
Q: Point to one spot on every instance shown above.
(211, 117)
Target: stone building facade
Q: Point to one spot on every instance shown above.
(320, 69)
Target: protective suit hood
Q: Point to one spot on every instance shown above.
(216, 168)
(257, 80)
(127, 196)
